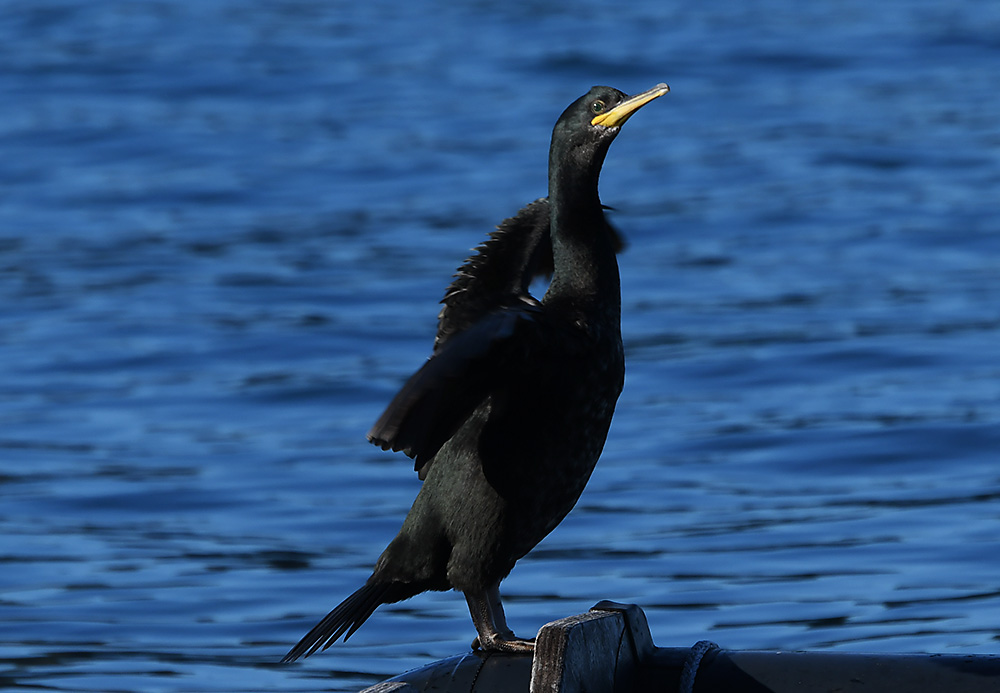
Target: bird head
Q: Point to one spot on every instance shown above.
(585, 130)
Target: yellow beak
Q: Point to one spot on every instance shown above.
(620, 113)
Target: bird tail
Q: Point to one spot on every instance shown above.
(348, 616)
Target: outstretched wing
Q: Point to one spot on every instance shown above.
(500, 270)
(485, 324)
(439, 397)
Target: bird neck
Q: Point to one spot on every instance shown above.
(585, 267)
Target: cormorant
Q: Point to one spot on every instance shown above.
(506, 419)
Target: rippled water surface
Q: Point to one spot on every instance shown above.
(224, 228)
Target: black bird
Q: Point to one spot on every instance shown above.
(507, 418)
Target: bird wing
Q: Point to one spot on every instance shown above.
(502, 267)
(443, 393)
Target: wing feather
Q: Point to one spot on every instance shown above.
(444, 392)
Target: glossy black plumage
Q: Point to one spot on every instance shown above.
(502, 269)
(507, 418)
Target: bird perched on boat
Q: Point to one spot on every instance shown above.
(507, 418)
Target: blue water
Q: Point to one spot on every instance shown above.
(224, 228)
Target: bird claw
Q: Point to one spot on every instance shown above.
(504, 644)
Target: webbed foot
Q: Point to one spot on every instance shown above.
(504, 644)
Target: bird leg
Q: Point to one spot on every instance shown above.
(496, 609)
(491, 624)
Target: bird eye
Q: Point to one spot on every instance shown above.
(597, 107)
